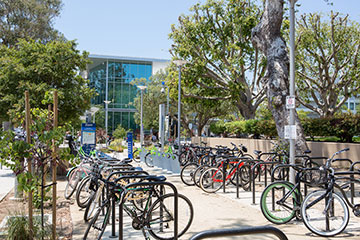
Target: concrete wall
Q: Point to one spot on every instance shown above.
(318, 149)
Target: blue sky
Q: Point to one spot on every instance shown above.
(140, 28)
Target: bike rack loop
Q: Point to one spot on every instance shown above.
(151, 184)
(244, 160)
(253, 174)
(113, 231)
(352, 184)
(240, 231)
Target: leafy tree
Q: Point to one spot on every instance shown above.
(327, 59)
(42, 68)
(28, 19)
(215, 39)
(100, 117)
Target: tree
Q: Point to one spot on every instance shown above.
(267, 37)
(28, 19)
(328, 62)
(42, 68)
(215, 39)
(152, 97)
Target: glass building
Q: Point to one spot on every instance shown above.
(111, 77)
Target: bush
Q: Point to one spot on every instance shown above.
(120, 132)
(218, 127)
(116, 145)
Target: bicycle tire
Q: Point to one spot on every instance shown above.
(272, 210)
(97, 225)
(317, 221)
(91, 206)
(149, 160)
(187, 174)
(71, 184)
(84, 192)
(211, 180)
(197, 174)
(165, 204)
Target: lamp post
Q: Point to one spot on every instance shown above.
(106, 117)
(179, 63)
(292, 85)
(167, 105)
(142, 88)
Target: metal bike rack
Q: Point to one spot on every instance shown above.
(244, 160)
(352, 184)
(113, 210)
(151, 184)
(239, 232)
(252, 179)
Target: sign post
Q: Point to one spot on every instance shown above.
(129, 138)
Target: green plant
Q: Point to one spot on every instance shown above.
(119, 133)
(116, 145)
(18, 228)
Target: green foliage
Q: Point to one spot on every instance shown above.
(327, 62)
(42, 68)
(218, 127)
(18, 228)
(116, 145)
(216, 40)
(120, 132)
(28, 19)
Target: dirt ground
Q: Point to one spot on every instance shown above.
(64, 225)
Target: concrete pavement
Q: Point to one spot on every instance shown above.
(6, 181)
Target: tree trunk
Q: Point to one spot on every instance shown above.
(266, 36)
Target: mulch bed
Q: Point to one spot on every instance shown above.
(64, 225)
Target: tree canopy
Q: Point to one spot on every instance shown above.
(41, 68)
(216, 40)
(28, 19)
(328, 62)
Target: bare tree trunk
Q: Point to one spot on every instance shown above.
(266, 36)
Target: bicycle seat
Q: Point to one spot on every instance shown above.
(257, 152)
(156, 178)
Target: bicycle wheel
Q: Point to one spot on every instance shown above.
(197, 174)
(84, 192)
(92, 205)
(277, 204)
(97, 225)
(187, 173)
(183, 158)
(211, 180)
(71, 185)
(149, 160)
(160, 217)
(317, 219)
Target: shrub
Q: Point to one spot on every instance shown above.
(218, 127)
(116, 145)
(119, 133)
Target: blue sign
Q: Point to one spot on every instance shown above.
(88, 136)
(130, 144)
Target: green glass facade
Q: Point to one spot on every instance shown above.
(111, 80)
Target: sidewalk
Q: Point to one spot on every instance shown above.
(218, 211)
(6, 181)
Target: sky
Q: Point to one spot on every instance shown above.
(140, 28)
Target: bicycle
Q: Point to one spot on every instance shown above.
(156, 217)
(326, 212)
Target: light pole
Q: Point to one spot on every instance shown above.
(179, 63)
(167, 106)
(292, 85)
(142, 88)
(106, 116)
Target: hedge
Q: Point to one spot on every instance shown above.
(344, 126)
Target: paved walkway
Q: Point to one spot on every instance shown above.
(6, 181)
(219, 211)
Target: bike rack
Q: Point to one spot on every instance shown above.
(239, 232)
(151, 184)
(113, 234)
(252, 179)
(244, 160)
